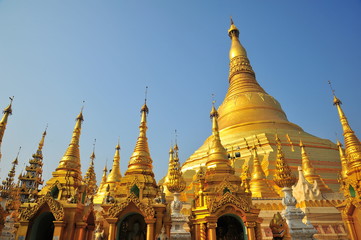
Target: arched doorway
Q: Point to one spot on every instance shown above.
(229, 228)
(43, 227)
(132, 227)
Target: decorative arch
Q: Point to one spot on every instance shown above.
(230, 199)
(54, 206)
(117, 208)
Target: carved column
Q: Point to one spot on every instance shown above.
(202, 232)
(159, 217)
(250, 230)
(80, 230)
(58, 229)
(212, 231)
(112, 222)
(150, 228)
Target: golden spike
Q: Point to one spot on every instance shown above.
(115, 175)
(41, 143)
(176, 182)
(140, 160)
(71, 158)
(218, 157)
(89, 179)
(307, 167)
(7, 112)
(352, 143)
(257, 173)
(283, 176)
(344, 163)
(246, 178)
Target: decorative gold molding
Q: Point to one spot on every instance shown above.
(229, 198)
(116, 209)
(55, 208)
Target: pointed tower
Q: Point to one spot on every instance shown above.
(8, 185)
(139, 177)
(220, 193)
(259, 185)
(112, 182)
(90, 180)
(7, 112)
(350, 208)
(344, 163)
(68, 173)
(309, 171)
(249, 114)
(101, 193)
(32, 179)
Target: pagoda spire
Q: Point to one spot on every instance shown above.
(115, 175)
(343, 158)
(283, 176)
(101, 193)
(71, 158)
(4, 120)
(170, 164)
(218, 161)
(140, 161)
(259, 185)
(309, 171)
(352, 143)
(89, 179)
(8, 185)
(32, 179)
(68, 172)
(175, 183)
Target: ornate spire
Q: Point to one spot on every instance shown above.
(259, 185)
(307, 167)
(7, 112)
(352, 143)
(343, 158)
(115, 175)
(101, 193)
(283, 176)
(68, 172)
(257, 173)
(89, 179)
(217, 156)
(8, 185)
(140, 161)
(71, 158)
(309, 171)
(32, 179)
(246, 178)
(175, 183)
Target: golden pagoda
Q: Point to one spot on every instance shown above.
(61, 210)
(133, 211)
(250, 115)
(350, 178)
(222, 209)
(4, 120)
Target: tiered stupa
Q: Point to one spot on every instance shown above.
(250, 115)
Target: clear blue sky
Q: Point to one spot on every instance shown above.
(55, 54)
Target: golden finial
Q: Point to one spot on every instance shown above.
(8, 185)
(352, 143)
(115, 175)
(71, 159)
(176, 182)
(246, 178)
(283, 176)
(344, 162)
(41, 143)
(7, 111)
(257, 173)
(307, 167)
(89, 179)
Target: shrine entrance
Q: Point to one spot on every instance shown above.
(132, 227)
(230, 228)
(43, 227)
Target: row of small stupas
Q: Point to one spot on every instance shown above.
(246, 123)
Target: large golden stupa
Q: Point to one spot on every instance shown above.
(249, 117)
